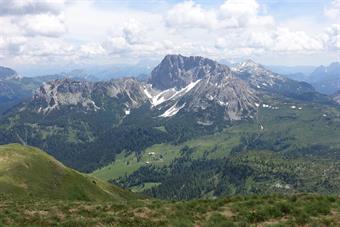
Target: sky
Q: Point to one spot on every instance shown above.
(40, 33)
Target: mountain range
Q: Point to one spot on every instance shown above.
(194, 124)
(325, 79)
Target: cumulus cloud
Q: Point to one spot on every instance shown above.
(191, 15)
(42, 24)
(132, 31)
(23, 7)
(281, 40)
(331, 37)
(49, 47)
(117, 45)
(91, 49)
(243, 13)
(298, 41)
(51, 30)
(333, 10)
(231, 14)
(11, 46)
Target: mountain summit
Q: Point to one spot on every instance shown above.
(178, 71)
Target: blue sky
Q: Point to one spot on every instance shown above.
(67, 32)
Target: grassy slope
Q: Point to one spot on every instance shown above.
(306, 125)
(270, 210)
(27, 171)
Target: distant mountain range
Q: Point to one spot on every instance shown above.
(325, 79)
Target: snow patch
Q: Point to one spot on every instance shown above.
(172, 111)
(221, 103)
(162, 96)
(278, 185)
(147, 93)
(205, 123)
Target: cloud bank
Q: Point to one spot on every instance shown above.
(58, 31)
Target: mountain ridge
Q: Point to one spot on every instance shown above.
(29, 172)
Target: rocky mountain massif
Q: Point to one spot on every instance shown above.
(15, 88)
(326, 79)
(194, 119)
(189, 83)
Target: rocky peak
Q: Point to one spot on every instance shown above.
(251, 67)
(177, 71)
(230, 93)
(264, 80)
(57, 93)
(68, 92)
(129, 89)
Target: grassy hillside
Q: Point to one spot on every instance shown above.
(29, 172)
(269, 210)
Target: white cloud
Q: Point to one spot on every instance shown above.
(191, 15)
(117, 45)
(53, 31)
(42, 24)
(91, 49)
(231, 14)
(11, 46)
(243, 13)
(23, 7)
(286, 40)
(133, 31)
(43, 47)
(280, 40)
(331, 37)
(333, 10)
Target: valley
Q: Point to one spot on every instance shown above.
(280, 143)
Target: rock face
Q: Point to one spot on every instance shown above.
(83, 94)
(57, 93)
(177, 71)
(200, 85)
(233, 95)
(128, 88)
